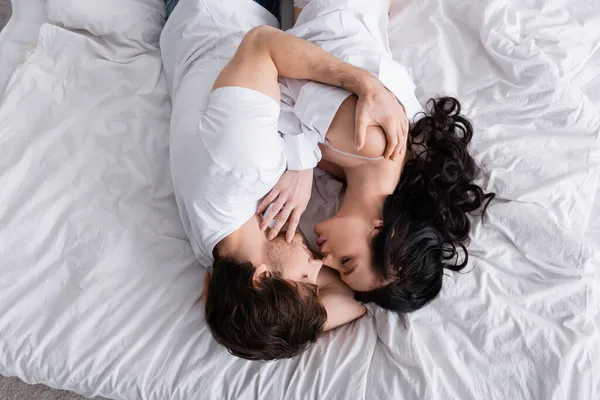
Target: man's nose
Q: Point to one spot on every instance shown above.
(327, 260)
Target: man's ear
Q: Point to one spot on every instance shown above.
(261, 272)
(205, 287)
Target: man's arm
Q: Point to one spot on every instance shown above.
(266, 53)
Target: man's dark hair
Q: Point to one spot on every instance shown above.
(268, 319)
(425, 221)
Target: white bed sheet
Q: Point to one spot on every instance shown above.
(19, 35)
(98, 286)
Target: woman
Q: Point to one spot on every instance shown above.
(403, 220)
(401, 223)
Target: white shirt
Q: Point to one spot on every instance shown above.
(226, 153)
(355, 31)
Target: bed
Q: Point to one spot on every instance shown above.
(99, 289)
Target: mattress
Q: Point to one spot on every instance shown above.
(99, 289)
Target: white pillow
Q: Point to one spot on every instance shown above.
(137, 20)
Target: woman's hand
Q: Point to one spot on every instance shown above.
(289, 199)
(378, 106)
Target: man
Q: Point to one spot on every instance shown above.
(222, 66)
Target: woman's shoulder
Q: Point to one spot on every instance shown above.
(341, 136)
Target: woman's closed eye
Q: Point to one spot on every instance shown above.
(349, 267)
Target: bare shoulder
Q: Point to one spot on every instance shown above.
(332, 169)
(341, 135)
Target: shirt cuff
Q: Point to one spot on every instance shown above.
(317, 105)
(315, 108)
(302, 150)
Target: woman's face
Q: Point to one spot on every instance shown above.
(345, 243)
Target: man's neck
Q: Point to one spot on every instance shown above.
(244, 244)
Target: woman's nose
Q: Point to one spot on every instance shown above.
(318, 229)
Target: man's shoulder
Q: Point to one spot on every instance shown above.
(240, 131)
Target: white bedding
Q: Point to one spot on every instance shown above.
(98, 285)
(19, 35)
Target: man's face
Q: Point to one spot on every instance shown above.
(294, 260)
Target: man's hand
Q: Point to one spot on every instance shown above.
(267, 52)
(378, 106)
(289, 197)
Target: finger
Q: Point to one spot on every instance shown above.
(404, 139)
(405, 128)
(272, 212)
(392, 136)
(361, 131)
(401, 139)
(401, 152)
(281, 219)
(266, 201)
(293, 225)
(397, 151)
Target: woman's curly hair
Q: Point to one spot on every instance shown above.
(425, 223)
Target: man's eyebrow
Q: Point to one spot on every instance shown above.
(350, 270)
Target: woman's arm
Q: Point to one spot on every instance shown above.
(338, 300)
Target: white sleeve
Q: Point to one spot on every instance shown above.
(302, 152)
(396, 78)
(305, 120)
(302, 148)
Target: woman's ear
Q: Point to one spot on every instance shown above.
(377, 224)
(261, 272)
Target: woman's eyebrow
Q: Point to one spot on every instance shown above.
(350, 270)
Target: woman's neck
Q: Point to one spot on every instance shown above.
(369, 184)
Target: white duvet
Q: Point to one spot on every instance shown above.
(98, 285)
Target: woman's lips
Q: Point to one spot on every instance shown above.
(320, 243)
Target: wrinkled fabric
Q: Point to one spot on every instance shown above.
(98, 284)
